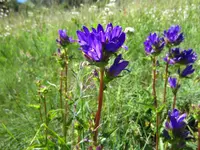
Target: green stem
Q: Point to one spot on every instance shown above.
(155, 102)
(46, 118)
(100, 101)
(40, 110)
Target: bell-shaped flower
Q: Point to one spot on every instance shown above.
(64, 39)
(175, 129)
(93, 49)
(118, 66)
(187, 71)
(154, 44)
(173, 36)
(114, 38)
(185, 57)
(173, 82)
(99, 44)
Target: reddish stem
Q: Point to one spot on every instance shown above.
(155, 101)
(100, 100)
(174, 101)
(165, 86)
(66, 98)
(154, 82)
(199, 135)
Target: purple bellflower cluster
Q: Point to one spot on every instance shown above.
(99, 45)
(185, 57)
(175, 130)
(176, 56)
(64, 39)
(154, 44)
(173, 36)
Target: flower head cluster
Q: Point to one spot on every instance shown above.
(98, 45)
(185, 57)
(154, 44)
(63, 39)
(173, 36)
(175, 129)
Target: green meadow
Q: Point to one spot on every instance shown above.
(28, 55)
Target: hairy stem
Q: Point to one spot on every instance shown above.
(100, 101)
(61, 88)
(165, 85)
(61, 99)
(154, 82)
(66, 98)
(155, 101)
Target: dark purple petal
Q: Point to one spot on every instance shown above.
(118, 65)
(100, 28)
(83, 39)
(85, 29)
(172, 82)
(187, 71)
(181, 118)
(173, 35)
(153, 44)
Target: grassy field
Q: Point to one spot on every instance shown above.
(27, 54)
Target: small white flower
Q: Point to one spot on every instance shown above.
(129, 29)
(75, 13)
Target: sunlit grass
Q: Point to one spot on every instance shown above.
(27, 47)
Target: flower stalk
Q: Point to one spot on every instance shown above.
(66, 98)
(198, 134)
(174, 100)
(165, 84)
(100, 102)
(155, 101)
(46, 118)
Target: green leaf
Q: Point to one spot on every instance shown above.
(36, 106)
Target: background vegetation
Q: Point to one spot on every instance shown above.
(27, 54)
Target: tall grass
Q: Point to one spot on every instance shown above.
(27, 54)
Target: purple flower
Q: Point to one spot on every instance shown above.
(173, 82)
(118, 65)
(176, 121)
(64, 39)
(153, 44)
(184, 57)
(175, 129)
(111, 39)
(187, 71)
(114, 38)
(173, 36)
(93, 50)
